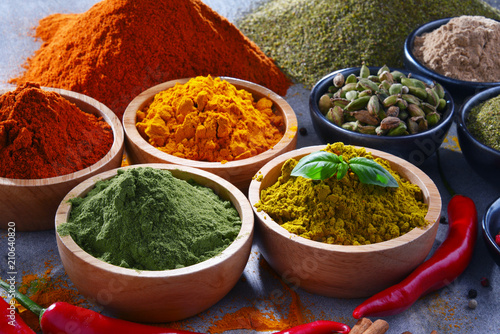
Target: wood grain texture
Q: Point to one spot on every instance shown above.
(32, 203)
(159, 296)
(344, 271)
(237, 172)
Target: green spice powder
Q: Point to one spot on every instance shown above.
(147, 219)
(483, 122)
(311, 38)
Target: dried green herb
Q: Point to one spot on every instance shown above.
(483, 122)
(311, 38)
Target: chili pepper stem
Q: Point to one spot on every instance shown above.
(23, 300)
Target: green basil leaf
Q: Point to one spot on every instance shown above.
(342, 169)
(317, 165)
(370, 172)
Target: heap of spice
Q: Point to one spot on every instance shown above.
(483, 122)
(209, 119)
(311, 38)
(147, 219)
(44, 135)
(345, 211)
(466, 48)
(119, 48)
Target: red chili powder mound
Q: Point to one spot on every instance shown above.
(44, 135)
(119, 48)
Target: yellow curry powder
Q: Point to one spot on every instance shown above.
(345, 211)
(209, 119)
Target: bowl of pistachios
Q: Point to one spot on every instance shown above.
(392, 110)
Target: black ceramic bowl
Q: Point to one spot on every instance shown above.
(491, 227)
(460, 90)
(483, 159)
(415, 148)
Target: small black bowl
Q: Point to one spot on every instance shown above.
(484, 160)
(460, 90)
(415, 148)
(491, 227)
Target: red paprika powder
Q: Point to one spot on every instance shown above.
(119, 48)
(44, 135)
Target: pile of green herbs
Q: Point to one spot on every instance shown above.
(311, 38)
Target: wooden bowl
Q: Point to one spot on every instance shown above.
(337, 270)
(31, 204)
(238, 172)
(166, 295)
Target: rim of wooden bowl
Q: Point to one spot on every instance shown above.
(410, 172)
(102, 111)
(238, 199)
(257, 91)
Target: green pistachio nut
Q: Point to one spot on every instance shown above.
(351, 95)
(336, 115)
(395, 89)
(418, 83)
(418, 92)
(402, 104)
(337, 101)
(432, 119)
(364, 72)
(351, 126)
(422, 123)
(365, 117)
(367, 129)
(400, 130)
(397, 75)
(338, 80)
(412, 126)
(438, 88)
(441, 105)
(390, 101)
(346, 88)
(368, 84)
(432, 96)
(351, 78)
(411, 99)
(379, 131)
(389, 123)
(357, 104)
(414, 110)
(365, 92)
(383, 69)
(373, 78)
(324, 104)
(373, 105)
(386, 76)
(385, 84)
(392, 111)
(427, 107)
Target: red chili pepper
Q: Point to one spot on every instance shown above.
(11, 322)
(318, 327)
(64, 318)
(449, 260)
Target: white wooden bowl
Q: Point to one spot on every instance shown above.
(237, 172)
(166, 295)
(31, 204)
(337, 270)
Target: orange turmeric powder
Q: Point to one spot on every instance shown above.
(209, 119)
(46, 289)
(256, 319)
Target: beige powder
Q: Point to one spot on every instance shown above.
(466, 48)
